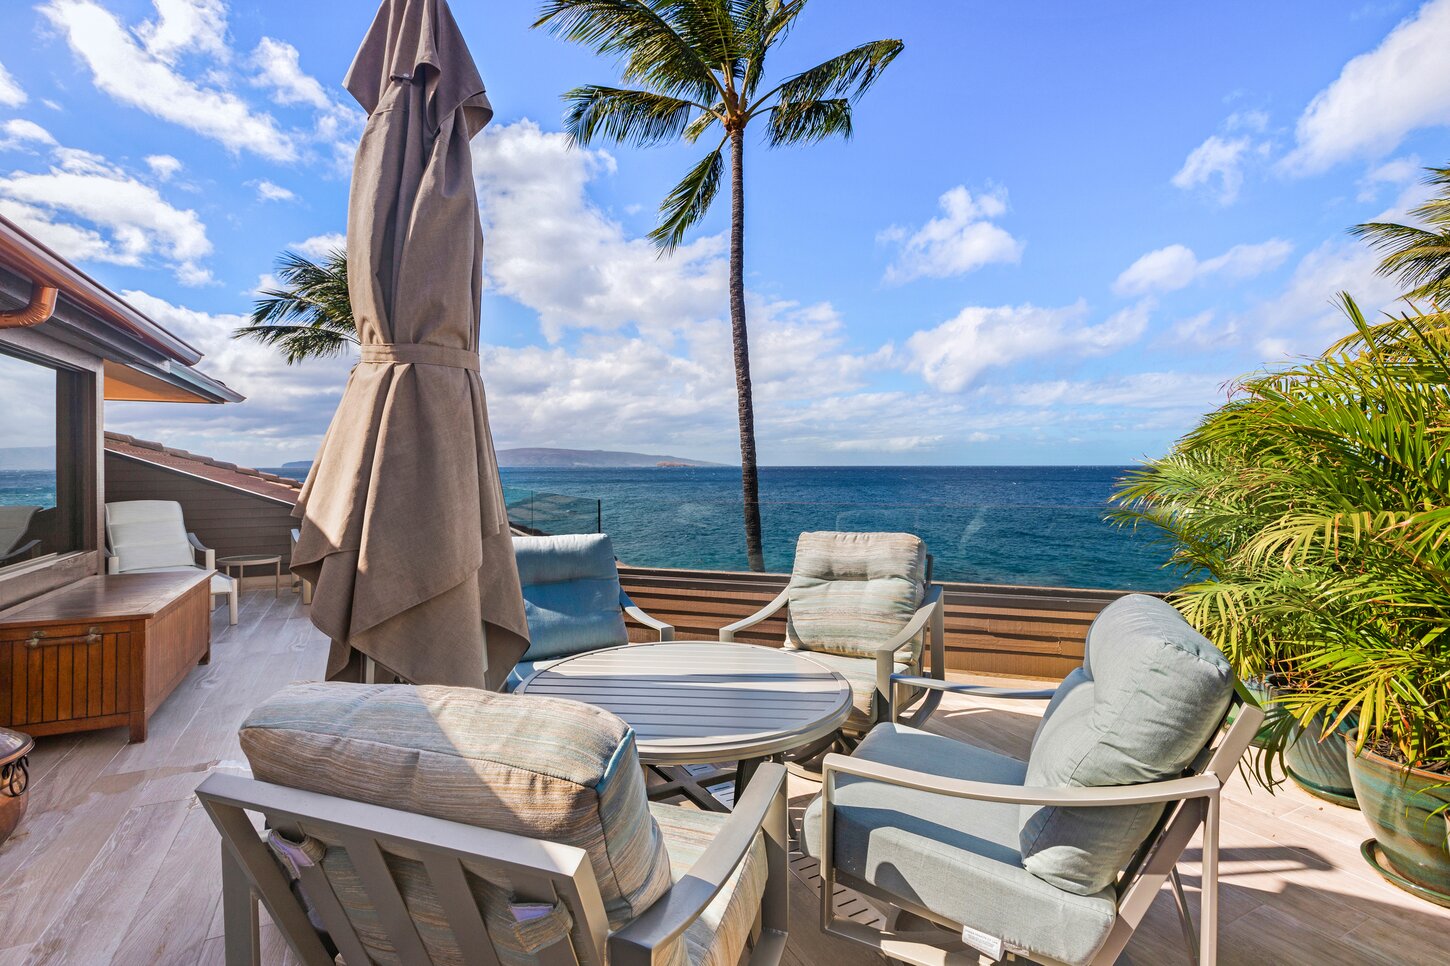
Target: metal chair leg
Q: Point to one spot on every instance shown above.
(1185, 918)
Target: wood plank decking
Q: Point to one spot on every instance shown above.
(117, 863)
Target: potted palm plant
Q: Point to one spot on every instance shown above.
(1314, 510)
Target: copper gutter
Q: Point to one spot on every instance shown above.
(27, 257)
(40, 308)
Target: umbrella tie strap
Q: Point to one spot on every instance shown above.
(420, 355)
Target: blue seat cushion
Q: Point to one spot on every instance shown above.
(956, 857)
(571, 594)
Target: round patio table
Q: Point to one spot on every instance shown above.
(704, 702)
(245, 560)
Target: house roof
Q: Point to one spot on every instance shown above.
(257, 482)
(143, 360)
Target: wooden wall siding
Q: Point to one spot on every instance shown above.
(227, 520)
(1021, 631)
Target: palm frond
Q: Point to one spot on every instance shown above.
(847, 75)
(651, 49)
(641, 118)
(1419, 257)
(808, 121)
(689, 200)
(762, 23)
(310, 314)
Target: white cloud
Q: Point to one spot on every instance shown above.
(11, 93)
(185, 26)
(122, 220)
(164, 166)
(1395, 172)
(951, 356)
(279, 69)
(551, 249)
(962, 239)
(144, 77)
(1380, 96)
(320, 246)
(267, 191)
(1218, 158)
(20, 133)
(1143, 390)
(1176, 266)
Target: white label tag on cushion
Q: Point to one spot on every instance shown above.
(987, 945)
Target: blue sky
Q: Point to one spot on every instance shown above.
(1061, 228)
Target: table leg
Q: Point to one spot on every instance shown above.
(746, 771)
(278, 582)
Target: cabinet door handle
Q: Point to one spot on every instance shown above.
(39, 638)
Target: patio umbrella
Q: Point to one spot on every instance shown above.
(404, 531)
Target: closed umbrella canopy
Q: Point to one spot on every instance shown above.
(404, 529)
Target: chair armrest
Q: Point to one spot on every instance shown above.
(980, 690)
(1168, 790)
(929, 614)
(728, 632)
(207, 553)
(673, 913)
(666, 631)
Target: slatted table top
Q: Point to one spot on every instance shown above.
(705, 701)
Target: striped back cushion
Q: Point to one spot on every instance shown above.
(850, 593)
(540, 767)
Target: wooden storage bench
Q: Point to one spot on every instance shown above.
(102, 652)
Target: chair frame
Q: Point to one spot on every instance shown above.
(537, 871)
(930, 617)
(1195, 797)
(208, 555)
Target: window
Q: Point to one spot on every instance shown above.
(46, 471)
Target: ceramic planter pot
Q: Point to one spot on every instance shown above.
(1409, 846)
(1318, 763)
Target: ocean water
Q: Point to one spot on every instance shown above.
(27, 488)
(1041, 526)
(1034, 525)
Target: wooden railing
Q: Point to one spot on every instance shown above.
(1020, 631)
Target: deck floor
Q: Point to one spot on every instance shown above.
(117, 863)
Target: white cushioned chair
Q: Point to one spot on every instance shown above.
(1056, 859)
(572, 600)
(862, 604)
(433, 825)
(150, 536)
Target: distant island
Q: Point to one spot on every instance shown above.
(534, 456)
(541, 457)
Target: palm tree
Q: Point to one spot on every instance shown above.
(699, 66)
(310, 315)
(1418, 256)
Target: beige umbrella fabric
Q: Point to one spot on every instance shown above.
(404, 531)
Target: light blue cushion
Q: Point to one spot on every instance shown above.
(956, 857)
(571, 594)
(1150, 693)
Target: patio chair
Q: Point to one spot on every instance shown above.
(1055, 859)
(14, 525)
(150, 536)
(572, 600)
(422, 825)
(862, 604)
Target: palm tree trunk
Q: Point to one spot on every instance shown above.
(749, 474)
